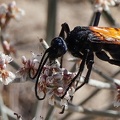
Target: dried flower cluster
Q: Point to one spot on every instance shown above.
(8, 47)
(31, 63)
(54, 82)
(5, 76)
(9, 11)
(101, 5)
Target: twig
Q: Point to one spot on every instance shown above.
(91, 117)
(92, 82)
(80, 109)
(5, 110)
(109, 18)
(3, 113)
(83, 102)
(50, 113)
(116, 73)
(39, 110)
(14, 65)
(102, 75)
(100, 84)
(51, 20)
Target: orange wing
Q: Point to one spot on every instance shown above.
(107, 34)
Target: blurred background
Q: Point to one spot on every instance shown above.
(43, 19)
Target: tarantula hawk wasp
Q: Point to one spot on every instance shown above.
(84, 43)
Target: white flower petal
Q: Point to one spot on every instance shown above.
(8, 79)
(60, 89)
(24, 60)
(3, 9)
(12, 4)
(58, 76)
(64, 103)
(67, 96)
(71, 91)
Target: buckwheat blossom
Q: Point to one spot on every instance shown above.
(3, 11)
(8, 48)
(31, 63)
(53, 83)
(5, 76)
(9, 11)
(104, 4)
(14, 11)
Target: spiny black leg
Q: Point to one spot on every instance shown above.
(62, 33)
(65, 28)
(103, 56)
(80, 56)
(89, 63)
(61, 61)
(97, 18)
(114, 62)
(79, 72)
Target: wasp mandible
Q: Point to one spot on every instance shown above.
(84, 43)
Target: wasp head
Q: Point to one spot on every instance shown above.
(58, 48)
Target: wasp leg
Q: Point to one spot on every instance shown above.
(65, 28)
(103, 56)
(85, 55)
(97, 18)
(89, 63)
(61, 61)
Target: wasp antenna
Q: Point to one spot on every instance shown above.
(37, 79)
(33, 77)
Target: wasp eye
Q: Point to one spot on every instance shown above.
(58, 48)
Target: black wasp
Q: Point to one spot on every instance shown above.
(84, 43)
